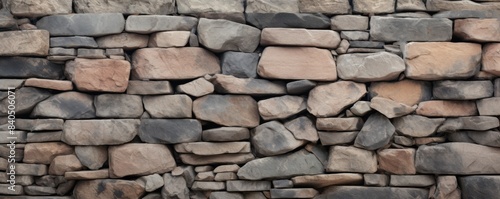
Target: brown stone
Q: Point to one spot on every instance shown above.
(322, 6)
(330, 99)
(351, 159)
(227, 110)
(87, 175)
(239, 158)
(390, 108)
(441, 108)
(168, 106)
(60, 85)
(479, 30)
(149, 87)
(196, 88)
(491, 58)
(397, 161)
(281, 107)
(107, 188)
(288, 37)
(44, 153)
(339, 124)
(294, 193)
(447, 188)
(409, 92)
(130, 159)
(325, 180)
(100, 132)
(173, 63)
(33, 8)
(108, 75)
(442, 60)
(297, 63)
(233, 85)
(213, 148)
(169, 39)
(123, 40)
(62, 164)
(429, 140)
(302, 128)
(14, 43)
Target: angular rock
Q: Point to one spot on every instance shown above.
(218, 6)
(99, 132)
(149, 87)
(9, 84)
(300, 86)
(272, 138)
(370, 7)
(196, 88)
(31, 8)
(118, 106)
(281, 107)
(361, 108)
(462, 90)
(288, 20)
(170, 131)
(278, 166)
(479, 186)
(410, 29)
(355, 35)
(223, 35)
(226, 134)
(83, 24)
(91, 53)
(243, 186)
(25, 99)
(326, 180)
(479, 30)
(476, 123)
(44, 153)
(349, 22)
(429, 140)
(48, 180)
(373, 192)
(409, 92)
(67, 105)
(460, 14)
(240, 64)
(412, 180)
(272, 6)
(441, 108)
(73, 42)
(92, 157)
(441, 5)
(490, 58)
(205, 176)
(107, 75)
(87, 175)
(169, 39)
(397, 161)
(175, 187)
(107, 188)
(327, 7)
(232, 85)
(288, 37)
(145, 24)
(351, 159)
(370, 66)
(227, 110)
(168, 106)
(60, 85)
(447, 187)
(44, 137)
(379, 180)
(376, 132)
(416, 125)
(422, 60)
(367, 44)
(208, 186)
(486, 138)
(240, 158)
(390, 108)
(126, 41)
(64, 163)
(39, 190)
(294, 193)
(302, 128)
(225, 195)
(13, 43)
(297, 63)
(330, 99)
(128, 159)
(336, 138)
(190, 62)
(282, 184)
(410, 5)
(31, 169)
(126, 7)
(339, 124)
(489, 106)
(213, 148)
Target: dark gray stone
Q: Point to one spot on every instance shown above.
(497, 87)
(93, 24)
(487, 138)
(462, 90)
(222, 35)
(355, 35)
(366, 44)
(118, 106)
(92, 157)
(287, 20)
(410, 29)
(376, 132)
(73, 42)
(26, 99)
(416, 125)
(251, 86)
(145, 24)
(91, 53)
(50, 181)
(282, 183)
(227, 110)
(39, 190)
(412, 180)
(300, 86)
(26, 67)
(335, 138)
(225, 195)
(304, 163)
(460, 14)
(240, 64)
(460, 136)
(224, 134)
(243, 185)
(44, 137)
(170, 131)
(272, 138)
(67, 105)
(100, 132)
(294, 193)
(355, 192)
(475, 123)
(484, 187)
(175, 187)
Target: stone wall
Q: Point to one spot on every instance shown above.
(255, 99)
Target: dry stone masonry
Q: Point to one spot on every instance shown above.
(250, 99)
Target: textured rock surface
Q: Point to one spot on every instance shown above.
(410, 29)
(99, 132)
(83, 24)
(222, 35)
(108, 188)
(462, 90)
(127, 6)
(169, 131)
(351, 159)
(67, 105)
(145, 24)
(330, 99)
(441, 108)
(118, 106)
(272, 138)
(230, 111)
(32, 8)
(369, 66)
(13, 43)
(490, 58)
(127, 160)
(376, 132)
(227, 84)
(480, 30)
(281, 107)
(287, 37)
(99, 74)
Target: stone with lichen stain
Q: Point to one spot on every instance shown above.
(108, 188)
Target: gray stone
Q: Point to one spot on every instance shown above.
(479, 186)
(168, 106)
(99, 132)
(355, 36)
(151, 182)
(212, 148)
(67, 105)
(410, 29)
(196, 88)
(404, 141)
(272, 6)
(489, 106)
(460, 14)
(127, 41)
(92, 157)
(497, 87)
(227, 110)
(376, 132)
(118, 106)
(83, 24)
(339, 124)
(370, 67)
(349, 22)
(208, 186)
(239, 158)
(26, 67)
(149, 87)
(114, 51)
(223, 134)
(304, 163)
(126, 7)
(442, 5)
(225, 195)
(17, 136)
(410, 5)
(26, 98)
(13, 43)
(222, 35)
(309, 38)
(351, 159)
(272, 138)
(5, 84)
(281, 107)
(302, 128)
(327, 7)
(416, 125)
(49, 180)
(169, 39)
(7, 22)
(366, 44)
(39, 190)
(240, 64)
(412, 180)
(107, 188)
(462, 90)
(62, 51)
(243, 186)
(373, 192)
(44, 137)
(379, 180)
(300, 86)
(336, 138)
(371, 7)
(170, 131)
(331, 99)
(91, 53)
(217, 6)
(31, 8)
(294, 193)
(361, 108)
(31, 169)
(475, 123)
(73, 42)
(282, 184)
(204, 176)
(145, 24)
(288, 20)
(391, 108)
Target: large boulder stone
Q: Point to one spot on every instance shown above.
(26, 67)
(461, 159)
(416, 125)
(67, 105)
(407, 91)
(173, 63)
(272, 138)
(250, 86)
(330, 99)
(127, 41)
(107, 188)
(109, 75)
(13, 43)
(33, 8)
(373, 192)
(272, 6)
(118, 106)
(479, 186)
(304, 163)
(281, 107)
(368, 67)
(430, 60)
(160, 7)
(227, 110)
(327, 7)
(168, 106)
(129, 159)
(376, 132)
(373, 7)
(44, 153)
(410, 29)
(441, 108)
(288, 37)
(351, 159)
(491, 56)
(25, 100)
(297, 63)
(83, 24)
(288, 20)
(170, 131)
(222, 35)
(479, 30)
(145, 24)
(462, 90)
(99, 132)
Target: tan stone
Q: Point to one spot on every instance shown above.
(397, 161)
(351, 159)
(407, 91)
(87, 175)
(390, 108)
(491, 58)
(173, 63)
(123, 40)
(240, 158)
(24, 43)
(60, 85)
(322, 6)
(297, 63)
(281, 107)
(139, 159)
(107, 188)
(196, 88)
(34, 8)
(288, 37)
(213, 148)
(442, 60)
(479, 30)
(233, 85)
(169, 39)
(44, 153)
(330, 99)
(441, 108)
(339, 124)
(227, 110)
(429, 140)
(325, 180)
(373, 6)
(489, 106)
(62, 164)
(107, 75)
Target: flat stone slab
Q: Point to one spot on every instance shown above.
(83, 24)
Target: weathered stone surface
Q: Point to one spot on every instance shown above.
(223, 35)
(31, 8)
(489, 106)
(83, 24)
(479, 30)
(409, 92)
(441, 108)
(441, 5)
(272, 6)
(170, 131)
(410, 5)
(361, 108)
(168, 106)
(169, 39)
(91, 53)
(99, 132)
(251, 86)
(67, 105)
(129, 159)
(126, 7)
(196, 88)
(379, 180)
(397, 161)
(300, 86)
(487, 138)
(330, 99)
(73, 42)
(416, 125)
(107, 188)
(44, 153)
(272, 138)
(227, 110)
(327, 7)
(335, 138)
(240, 158)
(38, 137)
(240, 64)
(410, 29)
(429, 60)
(208, 186)
(447, 187)
(412, 180)
(63, 163)
(243, 186)
(302, 128)
(118, 106)
(123, 40)
(99, 74)
(390, 108)
(225, 195)
(373, 192)
(175, 187)
(282, 184)
(351, 159)
(479, 186)
(39, 190)
(294, 193)
(349, 22)
(87, 175)
(26, 99)
(370, 66)
(60, 85)
(326, 180)
(463, 159)
(205, 176)
(213, 148)
(145, 24)
(288, 37)
(10, 84)
(31, 169)
(281, 107)
(287, 20)
(92, 157)
(373, 7)
(14, 43)
(297, 63)
(491, 56)
(149, 87)
(304, 163)
(462, 90)
(477, 123)
(376, 132)
(429, 140)
(460, 14)
(497, 87)
(218, 6)
(226, 134)
(189, 62)
(339, 124)
(355, 35)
